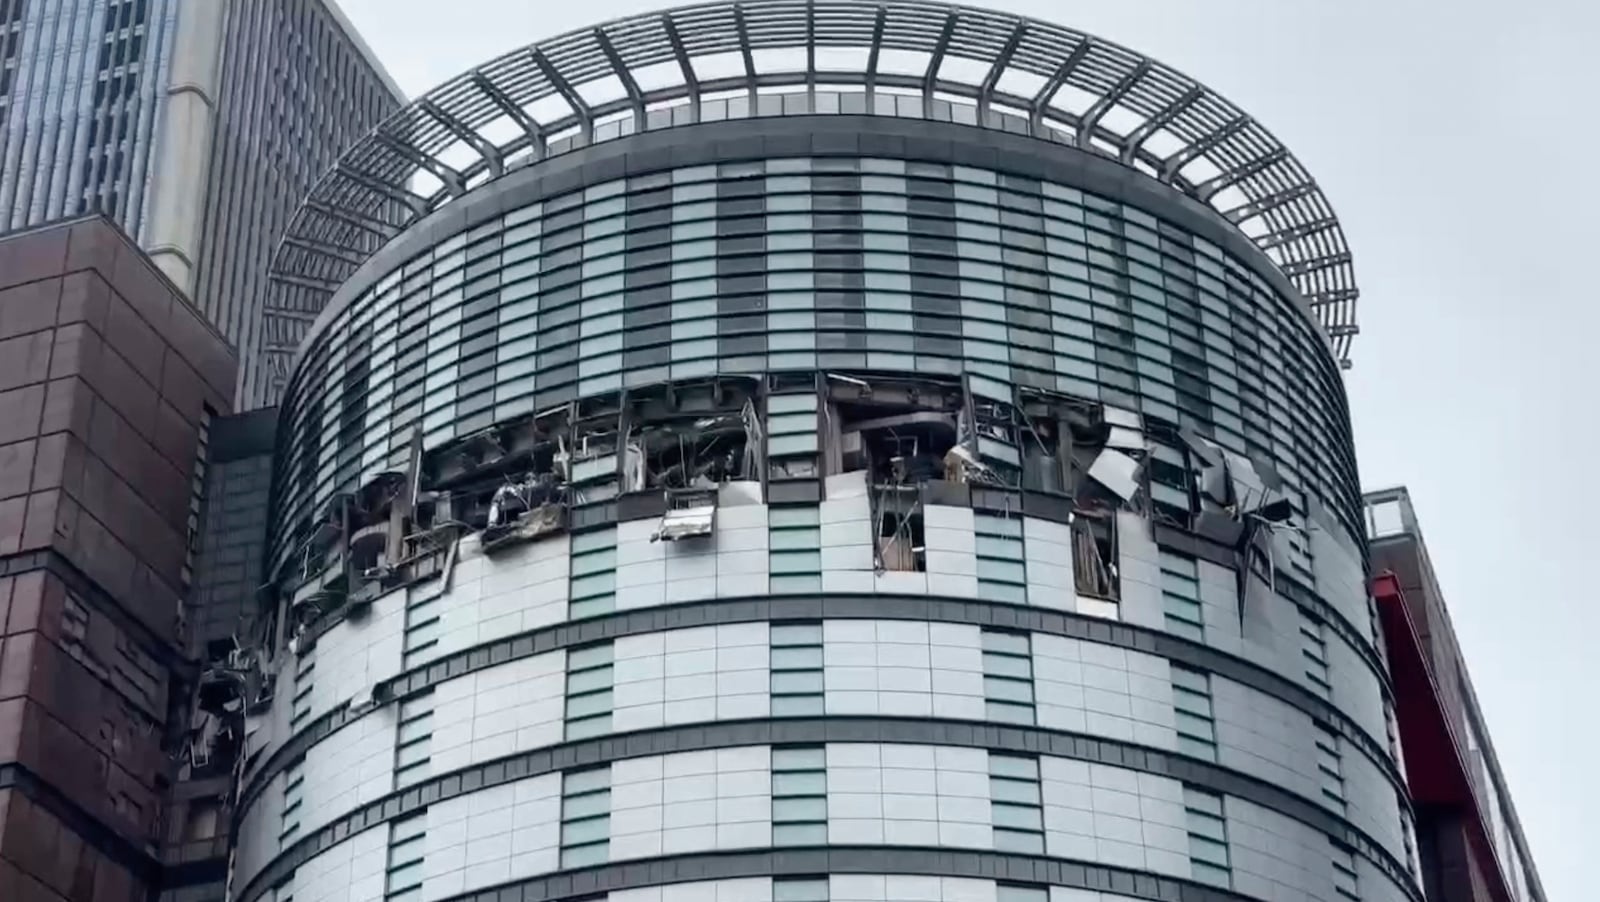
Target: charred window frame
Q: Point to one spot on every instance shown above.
(1101, 457)
(695, 435)
(899, 434)
(698, 445)
(508, 482)
(1238, 502)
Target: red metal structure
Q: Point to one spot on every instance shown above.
(1436, 762)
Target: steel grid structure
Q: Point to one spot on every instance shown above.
(765, 57)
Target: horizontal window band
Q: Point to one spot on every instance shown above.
(829, 607)
(302, 453)
(1004, 867)
(1054, 508)
(639, 505)
(604, 750)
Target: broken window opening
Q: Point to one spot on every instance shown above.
(1094, 556)
(1064, 439)
(318, 543)
(793, 468)
(1169, 465)
(587, 450)
(1046, 448)
(505, 483)
(898, 430)
(993, 454)
(697, 444)
(1235, 495)
(902, 434)
(900, 545)
(371, 522)
(1115, 453)
(525, 509)
(1241, 500)
(348, 541)
(696, 436)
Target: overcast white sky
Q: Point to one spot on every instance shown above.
(1455, 141)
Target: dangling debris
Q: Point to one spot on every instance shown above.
(1268, 472)
(900, 542)
(1117, 472)
(1094, 567)
(1127, 419)
(690, 514)
(961, 466)
(1220, 527)
(525, 510)
(1125, 429)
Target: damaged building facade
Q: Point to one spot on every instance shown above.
(806, 451)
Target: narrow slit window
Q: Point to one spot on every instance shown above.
(799, 796)
(1191, 702)
(589, 683)
(797, 674)
(585, 817)
(1008, 677)
(1208, 837)
(1016, 807)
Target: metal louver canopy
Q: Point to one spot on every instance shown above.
(754, 58)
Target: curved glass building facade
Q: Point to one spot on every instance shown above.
(794, 477)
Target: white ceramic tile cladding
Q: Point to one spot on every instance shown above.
(351, 657)
(903, 668)
(690, 675)
(520, 589)
(1103, 690)
(691, 802)
(507, 832)
(1115, 816)
(513, 707)
(908, 795)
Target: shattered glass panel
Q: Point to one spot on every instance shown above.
(1117, 472)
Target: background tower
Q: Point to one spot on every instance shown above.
(195, 126)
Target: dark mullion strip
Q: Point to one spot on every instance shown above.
(1005, 867)
(741, 262)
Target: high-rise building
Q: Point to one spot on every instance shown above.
(109, 384)
(797, 450)
(1470, 843)
(197, 125)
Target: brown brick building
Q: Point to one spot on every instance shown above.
(108, 381)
